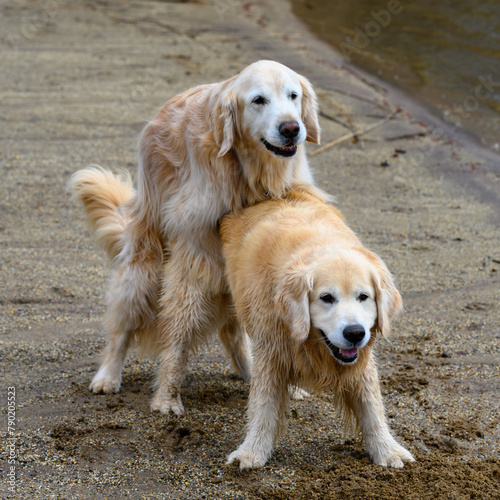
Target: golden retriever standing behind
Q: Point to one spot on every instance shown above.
(312, 300)
(210, 150)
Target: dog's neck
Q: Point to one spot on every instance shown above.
(265, 175)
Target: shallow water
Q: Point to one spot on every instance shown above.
(445, 54)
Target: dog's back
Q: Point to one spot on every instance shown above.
(284, 223)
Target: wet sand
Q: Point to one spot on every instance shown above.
(78, 83)
(442, 54)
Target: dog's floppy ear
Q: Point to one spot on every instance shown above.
(292, 302)
(224, 118)
(310, 111)
(387, 297)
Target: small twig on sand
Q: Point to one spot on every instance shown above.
(351, 126)
(353, 134)
(333, 119)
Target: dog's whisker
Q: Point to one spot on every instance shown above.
(315, 341)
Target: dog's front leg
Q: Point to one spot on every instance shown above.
(366, 402)
(266, 409)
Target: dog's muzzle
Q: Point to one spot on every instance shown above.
(289, 132)
(285, 151)
(345, 356)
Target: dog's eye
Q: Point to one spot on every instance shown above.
(328, 298)
(362, 297)
(294, 96)
(259, 100)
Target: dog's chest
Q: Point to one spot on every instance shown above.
(195, 208)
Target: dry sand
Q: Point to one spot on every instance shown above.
(78, 81)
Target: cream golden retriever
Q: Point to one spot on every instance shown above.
(210, 150)
(313, 300)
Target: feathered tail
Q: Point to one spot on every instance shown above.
(104, 196)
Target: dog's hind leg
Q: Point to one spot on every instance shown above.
(132, 298)
(235, 342)
(191, 306)
(182, 324)
(297, 393)
(109, 376)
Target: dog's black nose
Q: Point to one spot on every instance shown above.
(354, 333)
(290, 129)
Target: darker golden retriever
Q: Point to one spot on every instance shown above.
(313, 300)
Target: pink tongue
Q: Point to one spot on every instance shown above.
(349, 353)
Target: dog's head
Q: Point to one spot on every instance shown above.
(343, 297)
(267, 105)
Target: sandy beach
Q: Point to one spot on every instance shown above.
(79, 80)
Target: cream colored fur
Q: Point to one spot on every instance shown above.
(301, 278)
(210, 150)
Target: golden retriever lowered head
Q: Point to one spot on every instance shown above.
(346, 293)
(210, 150)
(313, 301)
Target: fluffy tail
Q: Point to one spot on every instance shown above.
(104, 196)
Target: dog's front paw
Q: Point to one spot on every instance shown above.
(167, 405)
(104, 383)
(393, 456)
(248, 457)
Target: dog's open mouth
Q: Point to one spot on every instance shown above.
(285, 151)
(345, 356)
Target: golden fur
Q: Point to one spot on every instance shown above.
(296, 270)
(210, 150)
